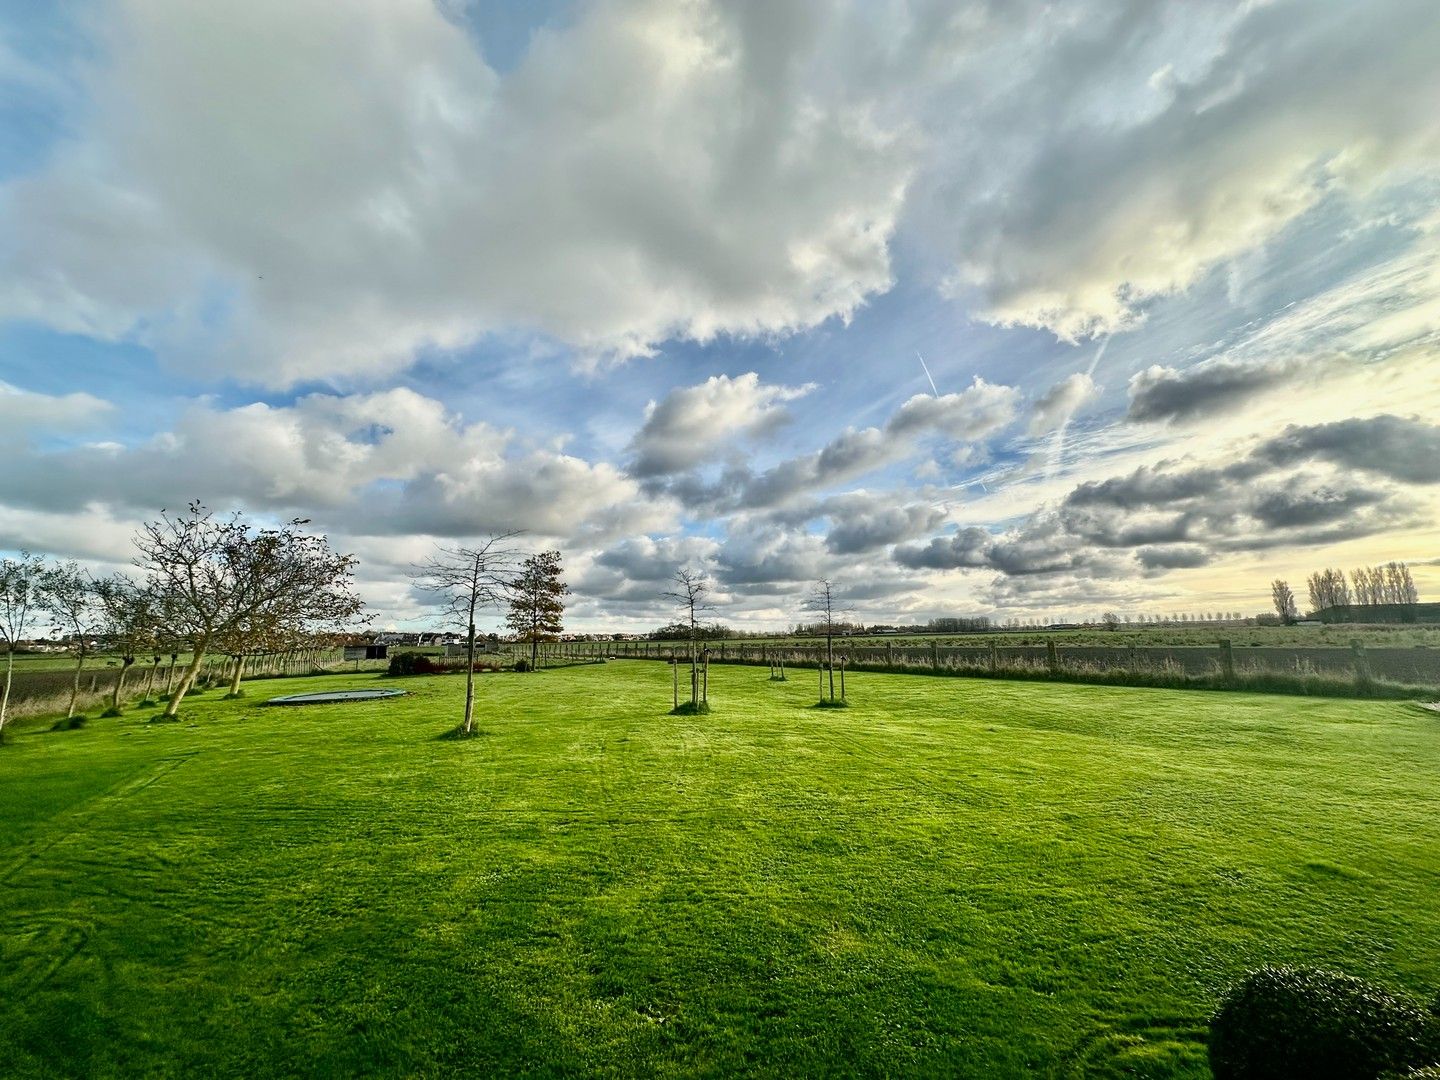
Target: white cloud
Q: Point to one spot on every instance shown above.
(1133, 187)
(280, 190)
(1055, 407)
(384, 463)
(685, 428)
(23, 411)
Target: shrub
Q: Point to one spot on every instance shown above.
(68, 723)
(410, 663)
(522, 665)
(1281, 1021)
(112, 711)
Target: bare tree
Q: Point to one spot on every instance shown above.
(824, 601)
(19, 599)
(467, 580)
(692, 596)
(127, 626)
(1328, 589)
(213, 576)
(1284, 601)
(1399, 585)
(68, 593)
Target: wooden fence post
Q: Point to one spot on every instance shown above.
(1362, 664)
(934, 656)
(1052, 658)
(1227, 661)
(994, 658)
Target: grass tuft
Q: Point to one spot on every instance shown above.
(691, 708)
(828, 703)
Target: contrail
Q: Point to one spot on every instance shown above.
(927, 374)
(1057, 444)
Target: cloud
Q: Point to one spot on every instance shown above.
(865, 522)
(278, 191)
(25, 411)
(1055, 407)
(1173, 556)
(688, 424)
(1136, 186)
(1178, 514)
(977, 411)
(967, 549)
(391, 462)
(974, 413)
(1163, 393)
(1405, 449)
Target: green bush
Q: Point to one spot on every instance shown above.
(112, 711)
(1305, 1022)
(523, 665)
(411, 663)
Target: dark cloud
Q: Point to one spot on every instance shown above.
(866, 522)
(967, 549)
(1163, 393)
(1173, 557)
(1405, 449)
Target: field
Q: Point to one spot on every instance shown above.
(973, 878)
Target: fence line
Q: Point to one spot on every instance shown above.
(1221, 663)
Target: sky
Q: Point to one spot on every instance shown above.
(997, 308)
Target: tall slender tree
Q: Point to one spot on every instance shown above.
(19, 600)
(536, 608)
(1283, 598)
(466, 581)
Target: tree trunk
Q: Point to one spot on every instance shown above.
(150, 680)
(170, 675)
(470, 681)
(534, 648)
(830, 659)
(75, 687)
(187, 677)
(5, 696)
(237, 675)
(125, 662)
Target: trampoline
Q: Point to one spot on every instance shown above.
(334, 697)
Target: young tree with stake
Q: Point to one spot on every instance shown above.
(19, 596)
(692, 596)
(467, 580)
(535, 605)
(824, 602)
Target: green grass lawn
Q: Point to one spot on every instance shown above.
(960, 877)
